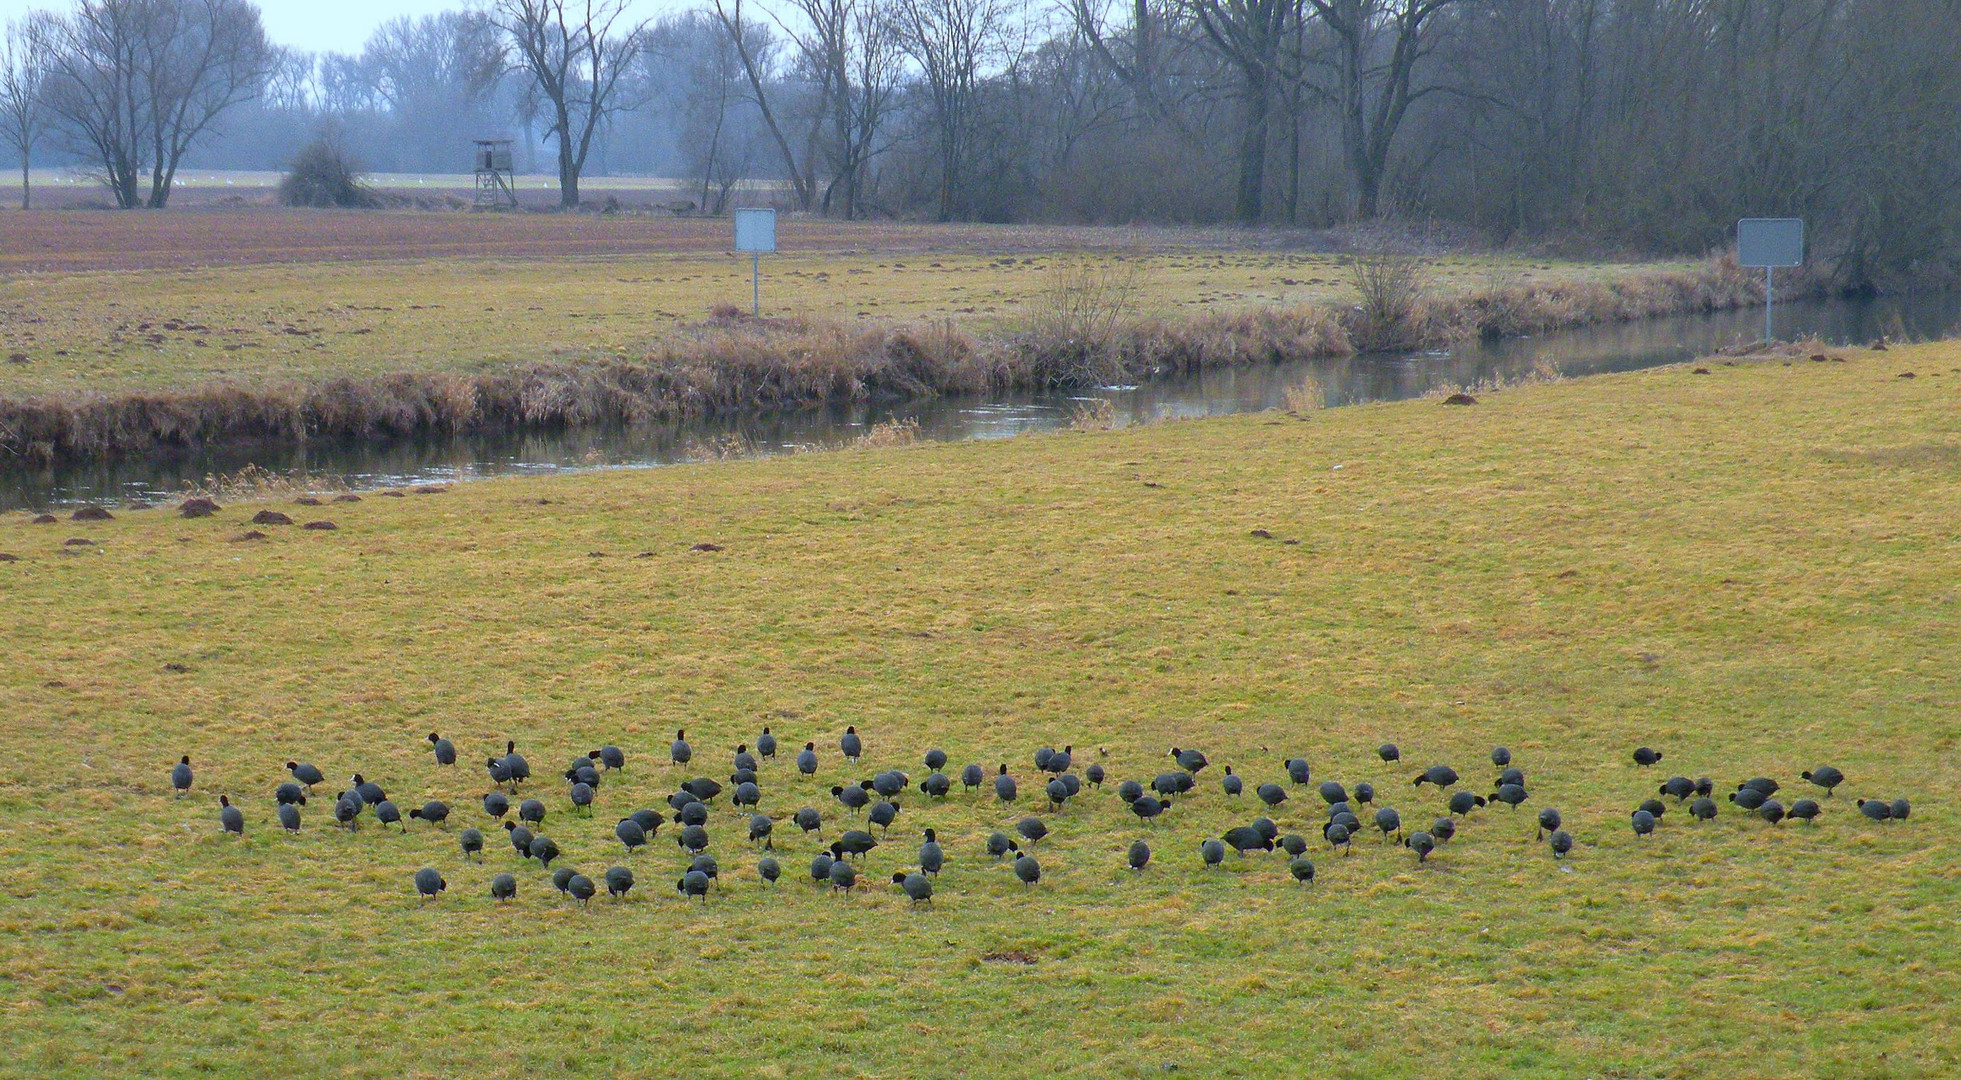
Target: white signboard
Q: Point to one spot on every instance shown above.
(1770, 242)
(755, 230)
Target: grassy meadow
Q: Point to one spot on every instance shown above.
(1751, 569)
(327, 315)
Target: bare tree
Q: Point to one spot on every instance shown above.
(133, 83)
(23, 114)
(954, 42)
(575, 53)
(851, 54)
(749, 47)
(1249, 34)
(1374, 92)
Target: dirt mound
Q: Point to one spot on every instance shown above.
(8, 557)
(1262, 534)
(1460, 399)
(320, 526)
(394, 494)
(197, 507)
(78, 541)
(349, 497)
(91, 513)
(250, 534)
(271, 517)
(432, 489)
(706, 546)
(306, 500)
(44, 519)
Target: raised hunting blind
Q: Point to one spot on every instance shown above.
(496, 177)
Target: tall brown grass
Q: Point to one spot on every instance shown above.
(734, 364)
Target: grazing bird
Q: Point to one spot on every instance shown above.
(856, 798)
(428, 883)
(694, 813)
(1272, 794)
(1388, 753)
(1139, 855)
(1644, 823)
(744, 759)
(692, 884)
(702, 788)
(1500, 756)
(1423, 844)
(385, 813)
(767, 868)
(1443, 829)
(1705, 787)
(1232, 785)
(1748, 798)
(1548, 822)
(1347, 821)
(580, 888)
(1094, 774)
(1365, 793)
(503, 887)
(820, 867)
(1825, 777)
(1266, 828)
(760, 826)
(807, 759)
(1332, 793)
(543, 850)
(496, 805)
(180, 775)
(1337, 836)
(1463, 802)
(916, 887)
(679, 752)
(999, 845)
(931, 856)
(1681, 787)
(1130, 791)
(631, 834)
(304, 773)
(855, 843)
(1771, 811)
(693, 839)
(1900, 809)
(289, 793)
(520, 838)
(706, 863)
(1876, 809)
(1297, 770)
(766, 744)
(531, 811)
(1302, 869)
(1042, 757)
(618, 880)
(471, 841)
(1031, 829)
(1058, 793)
(1644, 755)
(1245, 838)
(289, 817)
(1389, 821)
(843, 874)
(1510, 776)
(612, 757)
(936, 786)
(230, 818)
(444, 749)
(435, 812)
(369, 791)
(1441, 775)
(1762, 783)
(1805, 810)
(1703, 809)
(1212, 852)
(1189, 760)
(747, 794)
(809, 820)
(1293, 845)
(971, 777)
(935, 760)
(649, 821)
(1511, 795)
(1148, 807)
(1562, 842)
(1004, 785)
(1060, 761)
(1028, 870)
(852, 746)
(1172, 783)
(1655, 807)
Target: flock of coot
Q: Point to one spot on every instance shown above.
(878, 802)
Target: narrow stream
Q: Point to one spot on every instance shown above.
(1346, 381)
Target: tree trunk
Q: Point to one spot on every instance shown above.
(26, 193)
(568, 167)
(1247, 207)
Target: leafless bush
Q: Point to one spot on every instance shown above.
(1078, 321)
(1307, 396)
(1096, 415)
(888, 434)
(255, 483)
(727, 446)
(1389, 284)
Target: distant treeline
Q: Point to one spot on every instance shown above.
(1646, 125)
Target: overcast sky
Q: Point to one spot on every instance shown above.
(318, 25)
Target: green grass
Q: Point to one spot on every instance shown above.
(141, 331)
(1752, 570)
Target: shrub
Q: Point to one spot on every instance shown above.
(324, 176)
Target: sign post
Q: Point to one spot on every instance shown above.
(755, 233)
(1769, 243)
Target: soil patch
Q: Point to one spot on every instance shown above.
(198, 507)
(271, 517)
